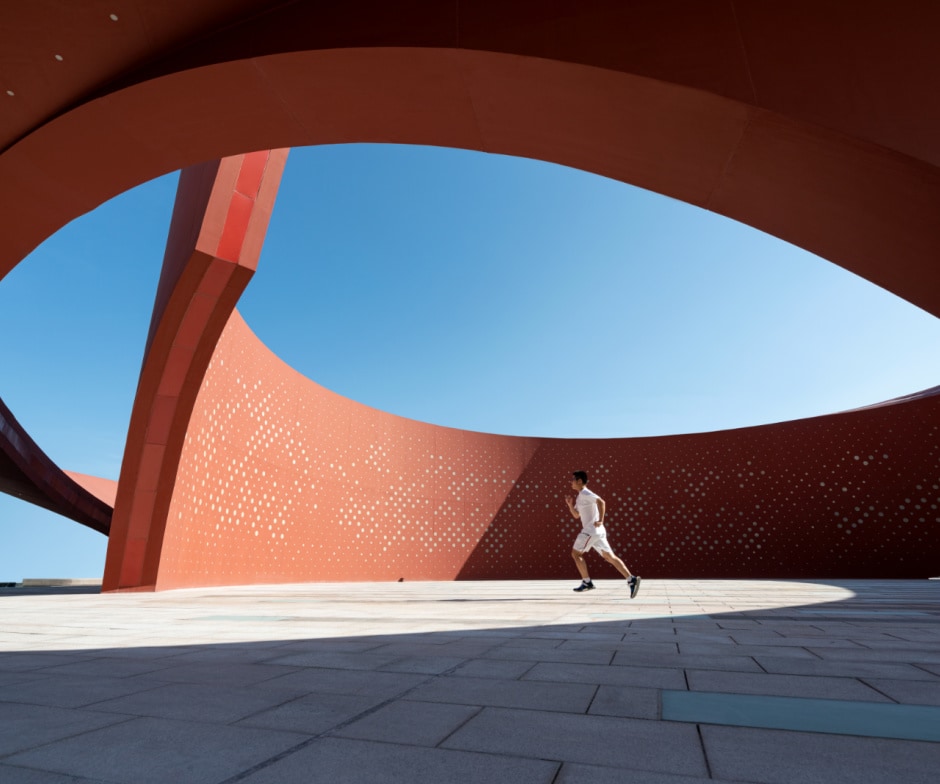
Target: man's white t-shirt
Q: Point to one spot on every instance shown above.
(586, 504)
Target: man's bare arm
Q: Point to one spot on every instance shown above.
(571, 507)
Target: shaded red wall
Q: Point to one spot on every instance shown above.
(281, 480)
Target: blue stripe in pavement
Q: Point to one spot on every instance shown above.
(838, 717)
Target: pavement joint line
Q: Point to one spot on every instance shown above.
(701, 741)
(464, 723)
(587, 710)
(804, 714)
(875, 688)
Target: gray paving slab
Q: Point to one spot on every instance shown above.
(537, 644)
(895, 645)
(410, 723)
(429, 665)
(363, 762)
(10, 774)
(735, 624)
(641, 649)
(13, 661)
(23, 676)
(484, 640)
(465, 649)
(221, 673)
(917, 635)
(783, 757)
(198, 702)
(783, 685)
(681, 661)
(345, 660)
(427, 648)
(800, 629)
(866, 638)
(777, 640)
(328, 646)
(712, 632)
(140, 649)
(321, 680)
(612, 742)
(554, 654)
(633, 702)
(787, 665)
(642, 633)
(534, 695)
(155, 751)
(574, 773)
(110, 667)
(907, 692)
(651, 677)
(731, 649)
(229, 654)
(556, 631)
(26, 726)
(579, 635)
(910, 655)
(74, 691)
(313, 714)
(493, 668)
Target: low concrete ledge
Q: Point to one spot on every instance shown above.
(44, 582)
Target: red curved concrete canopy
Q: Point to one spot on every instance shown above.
(814, 121)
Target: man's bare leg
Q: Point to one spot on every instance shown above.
(619, 565)
(581, 564)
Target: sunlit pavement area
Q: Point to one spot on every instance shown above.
(692, 681)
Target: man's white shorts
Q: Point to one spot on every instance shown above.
(598, 540)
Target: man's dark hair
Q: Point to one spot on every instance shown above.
(581, 475)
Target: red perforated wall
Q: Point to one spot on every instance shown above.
(281, 480)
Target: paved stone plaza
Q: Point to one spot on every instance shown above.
(523, 682)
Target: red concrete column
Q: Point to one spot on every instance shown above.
(218, 227)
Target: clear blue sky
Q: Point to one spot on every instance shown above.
(464, 289)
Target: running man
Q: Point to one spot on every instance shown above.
(590, 508)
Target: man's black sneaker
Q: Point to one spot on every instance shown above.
(634, 585)
(584, 587)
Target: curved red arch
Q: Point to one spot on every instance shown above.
(28, 473)
(697, 100)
